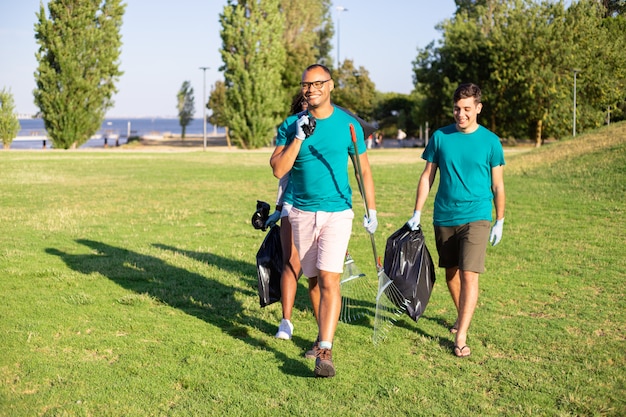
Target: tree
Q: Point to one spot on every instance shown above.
(253, 53)
(395, 111)
(354, 89)
(9, 124)
(307, 35)
(79, 48)
(185, 106)
(612, 8)
(522, 53)
(217, 102)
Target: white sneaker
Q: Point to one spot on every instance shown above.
(285, 329)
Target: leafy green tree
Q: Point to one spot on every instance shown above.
(601, 59)
(307, 34)
(253, 53)
(615, 61)
(540, 89)
(395, 111)
(185, 106)
(79, 48)
(217, 102)
(613, 8)
(522, 53)
(354, 89)
(9, 124)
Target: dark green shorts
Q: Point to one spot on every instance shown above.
(463, 246)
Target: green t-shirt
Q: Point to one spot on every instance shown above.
(319, 177)
(464, 161)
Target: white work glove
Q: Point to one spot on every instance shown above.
(496, 232)
(303, 120)
(370, 223)
(272, 219)
(414, 222)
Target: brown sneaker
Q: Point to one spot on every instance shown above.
(312, 353)
(324, 364)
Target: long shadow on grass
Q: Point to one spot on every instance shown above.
(195, 294)
(409, 324)
(301, 303)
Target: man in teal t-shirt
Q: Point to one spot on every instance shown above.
(470, 160)
(314, 147)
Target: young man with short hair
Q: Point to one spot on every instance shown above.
(470, 160)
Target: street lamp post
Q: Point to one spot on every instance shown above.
(204, 106)
(576, 71)
(339, 10)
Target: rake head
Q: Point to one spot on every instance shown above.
(354, 290)
(390, 306)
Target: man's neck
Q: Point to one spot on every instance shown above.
(322, 112)
(469, 129)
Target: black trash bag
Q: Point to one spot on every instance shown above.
(269, 266)
(409, 265)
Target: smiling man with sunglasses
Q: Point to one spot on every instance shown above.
(314, 146)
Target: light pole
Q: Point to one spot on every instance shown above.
(339, 10)
(204, 106)
(576, 71)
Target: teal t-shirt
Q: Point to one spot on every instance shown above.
(319, 177)
(464, 161)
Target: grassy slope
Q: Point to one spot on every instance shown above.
(129, 281)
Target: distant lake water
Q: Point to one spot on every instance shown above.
(112, 129)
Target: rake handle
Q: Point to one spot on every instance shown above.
(357, 160)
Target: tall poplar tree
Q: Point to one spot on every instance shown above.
(308, 32)
(79, 48)
(185, 106)
(253, 53)
(9, 125)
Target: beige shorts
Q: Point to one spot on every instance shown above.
(321, 239)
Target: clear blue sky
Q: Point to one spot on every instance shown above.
(165, 42)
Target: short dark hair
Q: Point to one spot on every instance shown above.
(468, 90)
(324, 67)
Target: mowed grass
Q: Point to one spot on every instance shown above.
(128, 285)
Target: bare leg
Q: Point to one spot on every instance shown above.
(291, 269)
(330, 304)
(453, 279)
(314, 295)
(467, 304)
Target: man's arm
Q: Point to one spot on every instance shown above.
(283, 158)
(368, 181)
(424, 185)
(497, 187)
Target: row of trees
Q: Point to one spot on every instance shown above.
(526, 56)
(523, 53)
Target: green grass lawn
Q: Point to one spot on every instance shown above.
(128, 284)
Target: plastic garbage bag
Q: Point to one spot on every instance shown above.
(269, 262)
(409, 265)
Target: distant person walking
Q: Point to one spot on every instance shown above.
(470, 160)
(314, 148)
